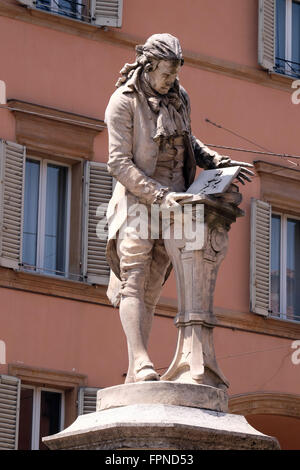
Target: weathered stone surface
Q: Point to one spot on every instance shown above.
(153, 157)
(160, 427)
(164, 393)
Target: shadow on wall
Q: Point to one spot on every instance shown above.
(284, 428)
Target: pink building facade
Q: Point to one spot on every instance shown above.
(60, 339)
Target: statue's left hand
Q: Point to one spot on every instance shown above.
(244, 174)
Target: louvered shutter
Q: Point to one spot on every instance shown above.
(2, 92)
(12, 173)
(9, 411)
(266, 34)
(28, 3)
(107, 13)
(87, 399)
(98, 191)
(260, 257)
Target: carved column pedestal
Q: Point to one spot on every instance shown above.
(196, 273)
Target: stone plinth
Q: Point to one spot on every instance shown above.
(163, 393)
(160, 415)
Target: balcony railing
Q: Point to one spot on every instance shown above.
(287, 67)
(78, 10)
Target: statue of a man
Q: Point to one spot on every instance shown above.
(153, 156)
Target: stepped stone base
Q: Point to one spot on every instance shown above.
(163, 393)
(184, 423)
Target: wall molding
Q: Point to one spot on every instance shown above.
(47, 377)
(96, 294)
(273, 403)
(12, 9)
(277, 171)
(53, 131)
(280, 186)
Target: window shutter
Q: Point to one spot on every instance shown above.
(28, 3)
(97, 193)
(9, 411)
(12, 173)
(266, 34)
(2, 92)
(87, 400)
(260, 257)
(107, 13)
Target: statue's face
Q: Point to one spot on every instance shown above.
(163, 77)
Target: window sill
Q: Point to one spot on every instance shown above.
(54, 286)
(13, 9)
(82, 292)
(290, 320)
(251, 322)
(286, 75)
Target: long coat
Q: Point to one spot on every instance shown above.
(132, 161)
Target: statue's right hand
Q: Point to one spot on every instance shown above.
(172, 199)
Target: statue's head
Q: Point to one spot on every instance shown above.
(161, 58)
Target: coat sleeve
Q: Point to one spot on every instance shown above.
(204, 156)
(207, 158)
(119, 120)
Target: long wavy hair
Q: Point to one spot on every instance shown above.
(157, 47)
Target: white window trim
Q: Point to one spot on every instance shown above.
(283, 262)
(41, 216)
(288, 32)
(36, 412)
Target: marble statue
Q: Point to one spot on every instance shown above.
(153, 157)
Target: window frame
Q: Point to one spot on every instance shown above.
(288, 39)
(36, 412)
(40, 245)
(284, 216)
(92, 13)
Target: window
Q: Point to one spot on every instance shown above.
(71, 8)
(279, 36)
(97, 12)
(275, 262)
(287, 51)
(49, 213)
(37, 402)
(285, 267)
(41, 414)
(46, 217)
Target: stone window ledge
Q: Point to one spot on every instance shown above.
(82, 292)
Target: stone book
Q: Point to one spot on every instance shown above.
(214, 181)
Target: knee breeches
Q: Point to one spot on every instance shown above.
(143, 266)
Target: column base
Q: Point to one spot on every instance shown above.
(177, 425)
(163, 393)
